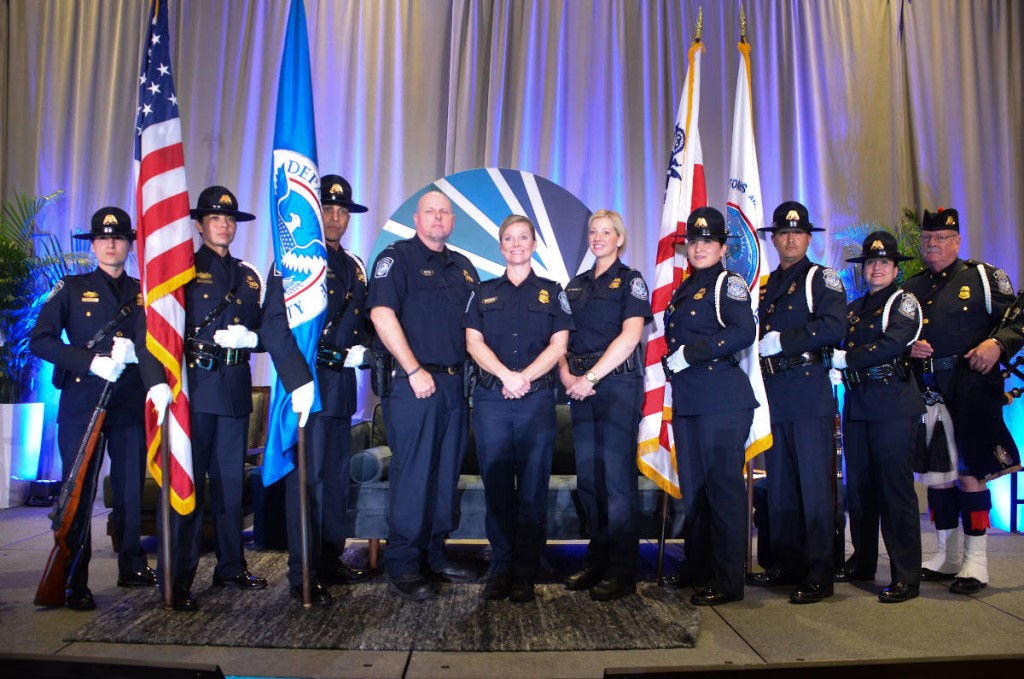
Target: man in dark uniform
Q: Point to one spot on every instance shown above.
(329, 440)
(882, 409)
(102, 314)
(956, 362)
(802, 313)
(417, 302)
(222, 311)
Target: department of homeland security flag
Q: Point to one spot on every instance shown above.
(300, 253)
(685, 191)
(166, 255)
(748, 258)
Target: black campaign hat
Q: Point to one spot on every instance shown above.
(790, 215)
(217, 200)
(945, 219)
(879, 245)
(706, 222)
(109, 221)
(335, 190)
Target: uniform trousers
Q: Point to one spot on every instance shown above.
(218, 454)
(515, 442)
(801, 504)
(428, 443)
(880, 485)
(328, 460)
(604, 429)
(126, 446)
(709, 457)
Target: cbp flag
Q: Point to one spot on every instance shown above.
(300, 254)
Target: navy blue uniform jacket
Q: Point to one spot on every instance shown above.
(601, 305)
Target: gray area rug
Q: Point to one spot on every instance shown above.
(366, 617)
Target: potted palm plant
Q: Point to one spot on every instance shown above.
(30, 262)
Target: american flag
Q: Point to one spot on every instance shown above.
(166, 253)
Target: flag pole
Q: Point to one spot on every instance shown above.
(303, 517)
(165, 513)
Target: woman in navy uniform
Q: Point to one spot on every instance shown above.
(102, 313)
(610, 306)
(222, 311)
(517, 328)
(880, 417)
(707, 322)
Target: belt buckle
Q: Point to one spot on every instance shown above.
(451, 370)
(204, 362)
(928, 365)
(230, 356)
(768, 365)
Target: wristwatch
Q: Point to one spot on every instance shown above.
(592, 378)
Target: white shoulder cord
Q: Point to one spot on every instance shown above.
(259, 277)
(986, 288)
(718, 291)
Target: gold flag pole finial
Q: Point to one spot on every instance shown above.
(743, 25)
(700, 23)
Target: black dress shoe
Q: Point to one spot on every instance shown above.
(898, 592)
(852, 575)
(769, 578)
(455, 572)
(144, 578)
(684, 577)
(498, 587)
(242, 580)
(318, 594)
(338, 573)
(810, 593)
(966, 586)
(412, 586)
(184, 601)
(928, 575)
(613, 587)
(710, 596)
(584, 579)
(80, 599)
(521, 590)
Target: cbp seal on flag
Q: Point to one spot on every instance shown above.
(742, 257)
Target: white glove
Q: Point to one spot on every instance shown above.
(676, 361)
(771, 344)
(235, 337)
(161, 397)
(124, 351)
(355, 357)
(106, 367)
(839, 359)
(835, 377)
(302, 401)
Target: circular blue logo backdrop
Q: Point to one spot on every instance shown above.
(481, 199)
(742, 256)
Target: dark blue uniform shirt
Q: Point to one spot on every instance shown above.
(600, 306)
(82, 305)
(517, 322)
(712, 384)
(868, 345)
(802, 392)
(226, 390)
(429, 292)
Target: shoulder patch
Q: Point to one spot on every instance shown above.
(736, 289)
(1002, 282)
(360, 267)
(832, 280)
(563, 301)
(383, 267)
(638, 288)
(908, 306)
(56, 288)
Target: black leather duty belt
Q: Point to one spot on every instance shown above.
(491, 382)
(580, 364)
(330, 356)
(895, 368)
(208, 356)
(934, 365)
(432, 368)
(731, 359)
(776, 364)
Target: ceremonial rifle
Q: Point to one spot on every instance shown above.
(839, 532)
(52, 590)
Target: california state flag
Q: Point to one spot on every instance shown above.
(747, 254)
(684, 192)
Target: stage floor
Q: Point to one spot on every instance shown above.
(764, 628)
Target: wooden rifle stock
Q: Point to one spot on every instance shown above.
(52, 590)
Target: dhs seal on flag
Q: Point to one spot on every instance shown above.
(301, 254)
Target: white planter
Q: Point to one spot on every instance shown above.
(21, 433)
